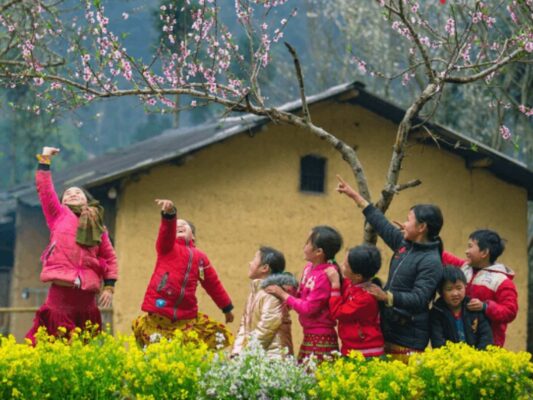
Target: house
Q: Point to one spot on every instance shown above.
(245, 181)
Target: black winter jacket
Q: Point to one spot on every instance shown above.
(478, 332)
(414, 274)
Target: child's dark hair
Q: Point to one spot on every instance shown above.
(364, 260)
(487, 239)
(431, 215)
(326, 238)
(273, 258)
(451, 274)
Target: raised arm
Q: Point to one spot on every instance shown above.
(167, 230)
(391, 235)
(45, 186)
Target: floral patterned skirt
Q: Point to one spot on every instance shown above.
(320, 346)
(150, 328)
(399, 353)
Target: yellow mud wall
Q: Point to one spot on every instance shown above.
(31, 239)
(244, 192)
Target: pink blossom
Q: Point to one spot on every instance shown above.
(505, 132)
(528, 47)
(193, 103)
(151, 101)
(450, 26)
(125, 15)
(38, 81)
(361, 65)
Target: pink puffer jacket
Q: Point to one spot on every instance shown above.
(64, 259)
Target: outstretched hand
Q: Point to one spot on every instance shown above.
(344, 188)
(167, 206)
(50, 151)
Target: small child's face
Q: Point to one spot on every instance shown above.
(184, 230)
(474, 255)
(74, 196)
(256, 269)
(453, 293)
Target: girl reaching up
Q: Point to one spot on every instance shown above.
(170, 300)
(79, 261)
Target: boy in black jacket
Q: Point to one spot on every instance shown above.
(451, 320)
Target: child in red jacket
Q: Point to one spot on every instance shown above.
(357, 310)
(490, 285)
(170, 298)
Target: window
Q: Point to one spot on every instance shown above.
(312, 173)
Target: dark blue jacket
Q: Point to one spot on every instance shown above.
(478, 332)
(414, 274)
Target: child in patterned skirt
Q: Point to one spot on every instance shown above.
(170, 298)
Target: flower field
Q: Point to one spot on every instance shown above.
(107, 367)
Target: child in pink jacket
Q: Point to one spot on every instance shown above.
(311, 302)
(79, 259)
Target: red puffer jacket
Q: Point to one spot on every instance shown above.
(358, 314)
(64, 259)
(494, 286)
(179, 266)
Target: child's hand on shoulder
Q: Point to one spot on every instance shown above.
(277, 291)
(333, 277)
(475, 305)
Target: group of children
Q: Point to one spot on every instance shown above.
(477, 297)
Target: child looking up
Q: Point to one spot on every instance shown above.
(170, 298)
(79, 261)
(265, 316)
(450, 318)
(311, 302)
(490, 285)
(357, 310)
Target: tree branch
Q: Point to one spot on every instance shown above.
(483, 74)
(299, 75)
(9, 4)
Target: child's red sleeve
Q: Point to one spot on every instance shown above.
(505, 306)
(212, 285)
(451, 259)
(358, 307)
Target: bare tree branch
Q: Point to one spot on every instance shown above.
(299, 75)
(483, 74)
